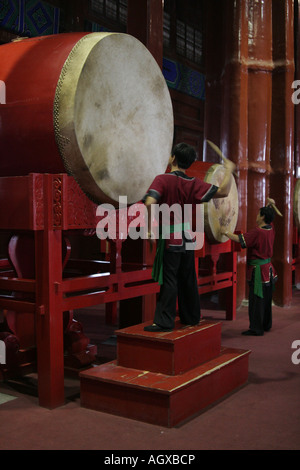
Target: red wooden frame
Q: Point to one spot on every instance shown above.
(47, 205)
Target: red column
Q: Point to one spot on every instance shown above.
(234, 129)
(49, 315)
(226, 115)
(214, 62)
(260, 69)
(282, 149)
(249, 113)
(145, 22)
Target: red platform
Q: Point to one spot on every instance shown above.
(144, 383)
(166, 352)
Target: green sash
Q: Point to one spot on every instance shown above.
(258, 290)
(157, 270)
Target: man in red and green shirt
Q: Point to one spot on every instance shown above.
(261, 273)
(174, 266)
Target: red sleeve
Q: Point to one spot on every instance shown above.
(204, 192)
(156, 189)
(249, 238)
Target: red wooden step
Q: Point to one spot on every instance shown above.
(162, 399)
(172, 352)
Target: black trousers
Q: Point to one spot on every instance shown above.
(260, 309)
(179, 280)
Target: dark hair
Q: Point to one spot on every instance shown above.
(268, 213)
(185, 155)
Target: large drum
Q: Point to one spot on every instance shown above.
(221, 212)
(93, 105)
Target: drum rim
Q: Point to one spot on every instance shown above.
(87, 182)
(62, 141)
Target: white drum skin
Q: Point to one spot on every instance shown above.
(218, 212)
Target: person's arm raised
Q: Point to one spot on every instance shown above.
(225, 186)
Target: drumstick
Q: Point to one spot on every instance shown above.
(274, 207)
(218, 151)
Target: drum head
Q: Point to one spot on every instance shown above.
(296, 205)
(113, 117)
(221, 212)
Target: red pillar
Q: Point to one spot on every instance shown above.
(226, 114)
(282, 149)
(214, 62)
(249, 114)
(234, 129)
(49, 315)
(145, 22)
(260, 69)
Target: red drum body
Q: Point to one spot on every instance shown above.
(93, 105)
(221, 212)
